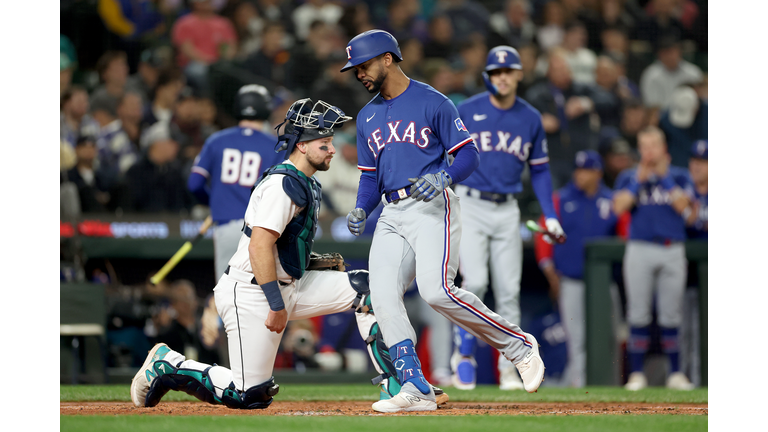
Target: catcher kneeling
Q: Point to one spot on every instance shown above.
(272, 279)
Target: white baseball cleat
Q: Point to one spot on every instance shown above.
(409, 399)
(143, 378)
(678, 381)
(531, 367)
(637, 381)
(510, 380)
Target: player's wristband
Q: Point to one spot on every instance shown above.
(274, 297)
(668, 182)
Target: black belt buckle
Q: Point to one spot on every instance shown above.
(395, 196)
(493, 197)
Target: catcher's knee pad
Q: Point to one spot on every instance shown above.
(192, 382)
(379, 352)
(359, 281)
(257, 397)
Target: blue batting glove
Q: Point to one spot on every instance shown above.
(356, 221)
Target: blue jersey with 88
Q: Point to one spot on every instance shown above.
(233, 160)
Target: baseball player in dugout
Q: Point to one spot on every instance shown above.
(404, 136)
(509, 135)
(228, 166)
(271, 279)
(584, 206)
(657, 195)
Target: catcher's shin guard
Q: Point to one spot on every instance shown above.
(382, 361)
(192, 382)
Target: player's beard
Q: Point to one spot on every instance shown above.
(320, 165)
(376, 84)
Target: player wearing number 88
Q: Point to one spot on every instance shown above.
(228, 166)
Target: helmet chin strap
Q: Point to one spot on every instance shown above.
(489, 85)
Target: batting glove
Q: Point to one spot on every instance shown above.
(356, 221)
(555, 230)
(427, 187)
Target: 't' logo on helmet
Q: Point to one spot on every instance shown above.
(349, 49)
(502, 55)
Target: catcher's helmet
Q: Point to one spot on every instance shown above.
(253, 102)
(307, 120)
(502, 56)
(370, 44)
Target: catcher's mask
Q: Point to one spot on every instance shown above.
(306, 121)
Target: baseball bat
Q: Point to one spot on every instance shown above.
(533, 226)
(183, 250)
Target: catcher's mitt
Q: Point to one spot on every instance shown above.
(326, 261)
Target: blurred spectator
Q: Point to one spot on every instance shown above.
(307, 58)
(341, 90)
(270, 60)
(668, 72)
(403, 21)
(68, 63)
(155, 181)
(183, 334)
(202, 38)
(116, 151)
(469, 66)
(130, 112)
(697, 218)
(616, 87)
(75, 119)
(340, 183)
(684, 122)
(618, 157)
(512, 26)
(654, 264)
(113, 72)
(581, 60)
(440, 42)
(612, 14)
(169, 84)
(584, 208)
(186, 128)
(277, 10)
(311, 10)
(529, 55)
(413, 58)
(152, 61)
(248, 25)
(467, 17)
(355, 19)
(439, 74)
(565, 108)
(634, 117)
(614, 41)
(552, 30)
(659, 23)
(92, 187)
(131, 19)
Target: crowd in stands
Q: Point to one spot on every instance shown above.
(144, 83)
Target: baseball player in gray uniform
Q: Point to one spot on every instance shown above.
(266, 283)
(404, 136)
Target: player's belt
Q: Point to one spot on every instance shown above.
(498, 198)
(241, 275)
(398, 194)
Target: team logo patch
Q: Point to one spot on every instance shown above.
(460, 125)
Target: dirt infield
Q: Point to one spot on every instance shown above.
(364, 409)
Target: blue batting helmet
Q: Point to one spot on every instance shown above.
(502, 56)
(253, 102)
(370, 44)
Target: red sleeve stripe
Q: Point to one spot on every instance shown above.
(201, 171)
(459, 145)
(539, 161)
(364, 168)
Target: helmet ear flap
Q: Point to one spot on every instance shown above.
(489, 85)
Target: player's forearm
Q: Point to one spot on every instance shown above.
(196, 184)
(368, 196)
(263, 265)
(466, 160)
(623, 201)
(541, 180)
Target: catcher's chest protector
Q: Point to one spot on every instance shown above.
(295, 243)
